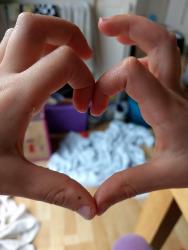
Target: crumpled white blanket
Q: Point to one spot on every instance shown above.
(18, 228)
(92, 160)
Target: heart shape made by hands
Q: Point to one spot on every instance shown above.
(153, 82)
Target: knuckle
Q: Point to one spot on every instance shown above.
(57, 197)
(128, 191)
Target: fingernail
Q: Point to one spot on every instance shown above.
(94, 114)
(85, 212)
(83, 111)
(103, 19)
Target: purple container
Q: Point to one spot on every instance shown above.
(65, 118)
(131, 242)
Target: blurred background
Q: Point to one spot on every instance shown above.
(91, 149)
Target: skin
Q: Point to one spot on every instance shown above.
(28, 76)
(154, 83)
(40, 55)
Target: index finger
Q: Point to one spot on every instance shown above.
(137, 29)
(32, 32)
(159, 44)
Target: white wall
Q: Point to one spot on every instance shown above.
(110, 52)
(177, 15)
(159, 8)
(156, 7)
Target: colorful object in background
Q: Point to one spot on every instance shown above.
(153, 17)
(46, 9)
(84, 134)
(27, 7)
(37, 145)
(65, 118)
(131, 242)
(121, 111)
(134, 113)
(43, 9)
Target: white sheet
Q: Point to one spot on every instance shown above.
(18, 228)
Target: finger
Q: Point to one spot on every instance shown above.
(144, 62)
(37, 183)
(48, 49)
(160, 45)
(100, 101)
(127, 184)
(54, 71)
(124, 39)
(135, 28)
(33, 31)
(4, 43)
(83, 97)
(154, 175)
(153, 99)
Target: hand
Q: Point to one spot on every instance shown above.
(153, 82)
(37, 58)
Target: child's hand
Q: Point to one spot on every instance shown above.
(26, 80)
(154, 82)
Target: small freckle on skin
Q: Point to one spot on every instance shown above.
(79, 197)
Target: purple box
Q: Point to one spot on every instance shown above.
(65, 118)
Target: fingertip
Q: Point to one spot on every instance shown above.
(87, 212)
(81, 108)
(99, 104)
(102, 22)
(95, 112)
(82, 98)
(100, 204)
(104, 19)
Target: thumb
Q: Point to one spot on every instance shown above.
(27, 180)
(61, 190)
(126, 184)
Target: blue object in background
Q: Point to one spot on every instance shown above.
(134, 113)
(153, 17)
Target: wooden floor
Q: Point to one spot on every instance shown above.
(64, 230)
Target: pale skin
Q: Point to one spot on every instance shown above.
(40, 55)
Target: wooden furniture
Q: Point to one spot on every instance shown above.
(62, 229)
(160, 214)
